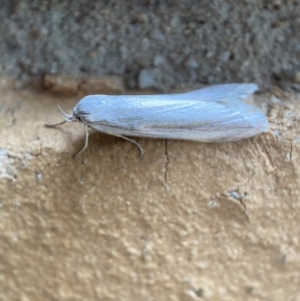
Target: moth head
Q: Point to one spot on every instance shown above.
(89, 108)
(78, 114)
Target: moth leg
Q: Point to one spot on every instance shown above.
(123, 137)
(50, 125)
(132, 141)
(86, 140)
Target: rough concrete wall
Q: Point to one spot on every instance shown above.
(175, 43)
(188, 221)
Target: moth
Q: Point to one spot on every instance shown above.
(214, 114)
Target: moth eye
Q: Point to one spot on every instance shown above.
(79, 119)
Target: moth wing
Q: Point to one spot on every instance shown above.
(226, 92)
(216, 113)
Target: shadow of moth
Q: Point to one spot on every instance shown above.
(213, 114)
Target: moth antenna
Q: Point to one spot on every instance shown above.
(65, 116)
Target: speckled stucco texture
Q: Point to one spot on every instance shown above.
(188, 221)
(174, 42)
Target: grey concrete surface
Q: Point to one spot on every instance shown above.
(164, 43)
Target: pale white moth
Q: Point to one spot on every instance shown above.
(213, 114)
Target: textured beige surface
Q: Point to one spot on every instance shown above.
(170, 226)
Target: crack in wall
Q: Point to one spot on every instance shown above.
(245, 209)
(167, 163)
(240, 198)
(291, 151)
